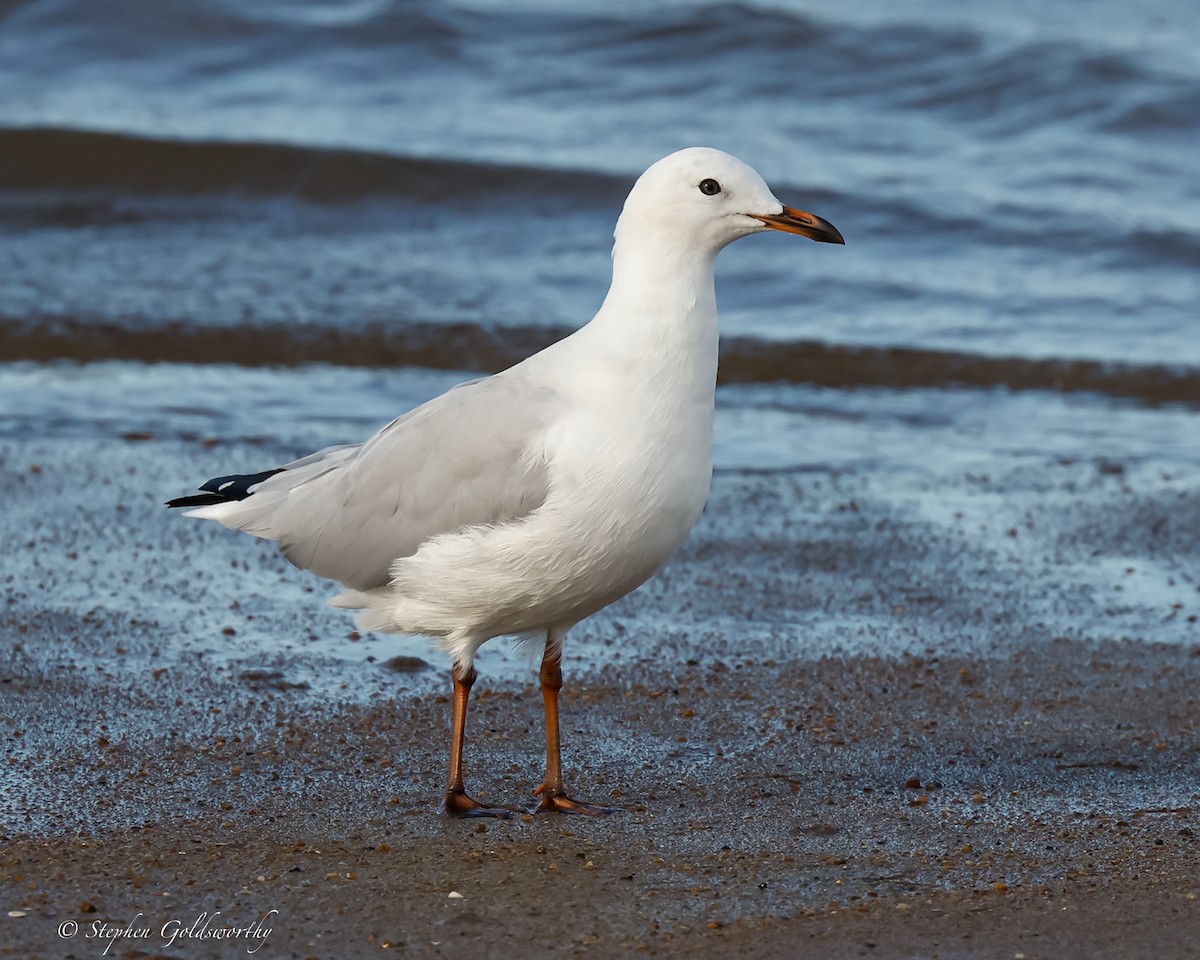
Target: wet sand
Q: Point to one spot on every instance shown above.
(936, 714)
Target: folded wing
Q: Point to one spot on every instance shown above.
(469, 457)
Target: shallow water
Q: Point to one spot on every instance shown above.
(759, 427)
(286, 222)
(1015, 181)
(872, 522)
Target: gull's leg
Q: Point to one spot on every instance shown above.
(457, 803)
(553, 794)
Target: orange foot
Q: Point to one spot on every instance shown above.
(458, 804)
(553, 802)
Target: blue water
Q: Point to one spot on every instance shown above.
(1016, 180)
(285, 223)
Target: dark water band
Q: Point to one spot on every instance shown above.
(62, 159)
(467, 346)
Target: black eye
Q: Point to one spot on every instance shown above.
(710, 187)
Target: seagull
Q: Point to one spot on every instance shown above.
(524, 502)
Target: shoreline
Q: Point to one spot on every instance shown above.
(764, 709)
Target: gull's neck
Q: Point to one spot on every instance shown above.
(672, 277)
(662, 303)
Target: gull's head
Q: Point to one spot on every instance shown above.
(702, 199)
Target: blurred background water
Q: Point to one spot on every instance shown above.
(377, 183)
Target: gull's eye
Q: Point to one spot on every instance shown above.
(710, 187)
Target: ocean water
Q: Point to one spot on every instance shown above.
(431, 186)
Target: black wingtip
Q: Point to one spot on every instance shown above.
(237, 486)
(199, 500)
(224, 489)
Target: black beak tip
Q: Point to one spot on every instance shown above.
(826, 232)
(803, 223)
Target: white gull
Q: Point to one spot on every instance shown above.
(523, 502)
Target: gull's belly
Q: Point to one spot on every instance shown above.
(623, 497)
(630, 508)
(647, 507)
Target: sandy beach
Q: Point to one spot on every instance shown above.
(946, 716)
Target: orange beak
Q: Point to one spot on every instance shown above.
(798, 221)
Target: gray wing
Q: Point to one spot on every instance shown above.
(468, 457)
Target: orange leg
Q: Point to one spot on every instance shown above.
(553, 794)
(457, 803)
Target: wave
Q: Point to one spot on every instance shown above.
(224, 51)
(474, 347)
(966, 73)
(76, 165)
(49, 158)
